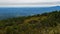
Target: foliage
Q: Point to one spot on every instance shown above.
(46, 23)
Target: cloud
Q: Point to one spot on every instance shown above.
(29, 2)
(26, 1)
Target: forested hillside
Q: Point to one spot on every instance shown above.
(46, 23)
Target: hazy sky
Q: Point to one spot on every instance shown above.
(15, 3)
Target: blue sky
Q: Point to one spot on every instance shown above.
(29, 3)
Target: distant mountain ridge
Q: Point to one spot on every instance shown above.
(15, 12)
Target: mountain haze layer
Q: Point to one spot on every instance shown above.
(26, 11)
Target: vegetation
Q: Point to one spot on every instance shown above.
(46, 23)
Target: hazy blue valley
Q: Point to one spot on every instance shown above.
(15, 12)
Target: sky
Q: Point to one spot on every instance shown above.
(29, 3)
